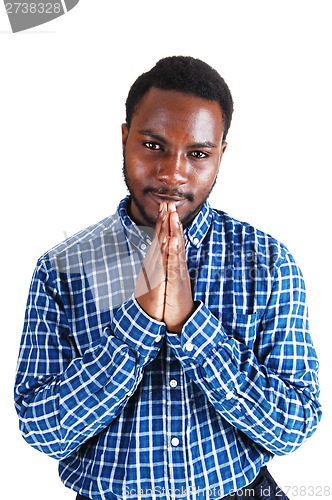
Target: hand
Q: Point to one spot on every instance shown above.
(151, 281)
(179, 304)
(163, 287)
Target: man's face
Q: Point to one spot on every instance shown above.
(172, 152)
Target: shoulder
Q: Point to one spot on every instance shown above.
(246, 241)
(67, 255)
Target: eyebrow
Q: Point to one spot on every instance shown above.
(153, 135)
(197, 145)
(206, 144)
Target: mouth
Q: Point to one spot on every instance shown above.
(159, 198)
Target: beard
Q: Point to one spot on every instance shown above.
(151, 221)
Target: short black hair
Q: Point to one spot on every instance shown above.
(188, 75)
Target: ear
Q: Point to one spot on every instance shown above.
(223, 149)
(124, 132)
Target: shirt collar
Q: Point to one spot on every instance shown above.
(199, 227)
(195, 232)
(134, 233)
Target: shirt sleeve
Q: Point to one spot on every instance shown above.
(63, 398)
(268, 388)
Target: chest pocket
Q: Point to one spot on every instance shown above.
(242, 327)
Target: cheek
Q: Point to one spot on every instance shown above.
(203, 179)
(137, 165)
(135, 169)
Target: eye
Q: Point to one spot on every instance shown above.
(154, 146)
(199, 155)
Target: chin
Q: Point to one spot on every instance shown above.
(189, 215)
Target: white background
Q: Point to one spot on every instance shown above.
(62, 92)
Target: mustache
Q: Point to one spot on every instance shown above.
(170, 192)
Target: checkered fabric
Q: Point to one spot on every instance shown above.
(132, 410)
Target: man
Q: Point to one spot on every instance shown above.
(166, 352)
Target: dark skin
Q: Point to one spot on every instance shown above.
(172, 155)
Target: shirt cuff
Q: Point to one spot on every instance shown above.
(133, 326)
(200, 336)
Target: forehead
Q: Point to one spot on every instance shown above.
(172, 112)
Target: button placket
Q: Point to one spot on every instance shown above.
(229, 395)
(189, 346)
(175, 426)
(175, 441)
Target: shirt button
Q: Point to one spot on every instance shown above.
(229, 395)
(196, 241)
(158, 338)
(175, 441)
(188, 346)
(173, 383)
(143, 246)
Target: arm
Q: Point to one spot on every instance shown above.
(64, 398)
(269, 390)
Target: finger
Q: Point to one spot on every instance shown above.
(158, 233)
(164, 227)
(160, 255)
(171, 206)
(177, 232)
(162, 232)
(155, 263)
(156, 258)
(176, 229)
(173, 259)
(161, 216)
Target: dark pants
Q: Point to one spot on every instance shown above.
(263, 488)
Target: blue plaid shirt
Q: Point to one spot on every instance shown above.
(132, 410)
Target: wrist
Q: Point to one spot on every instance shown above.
(178, 327)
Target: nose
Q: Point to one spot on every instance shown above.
(172, 169)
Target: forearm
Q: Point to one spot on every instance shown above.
(59, 412)
(275, 412)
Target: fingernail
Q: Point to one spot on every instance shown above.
(171, 206)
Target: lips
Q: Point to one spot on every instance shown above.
(159, 198)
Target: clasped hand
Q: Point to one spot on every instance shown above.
(163, 287)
